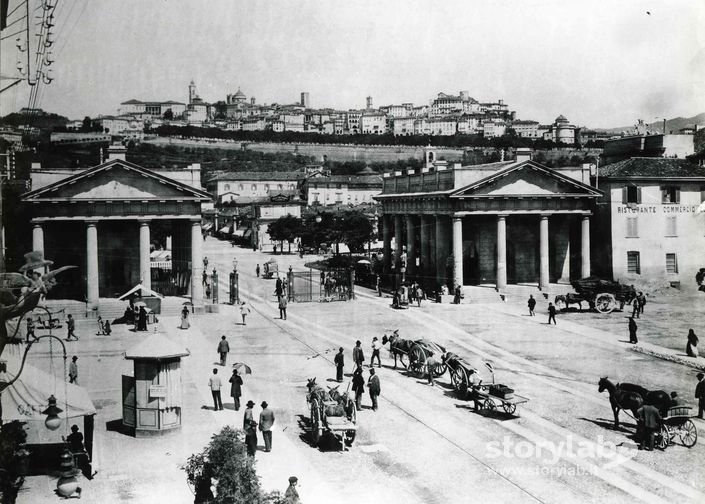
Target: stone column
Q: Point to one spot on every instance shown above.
(543, 253)
(145, 266)
(398, 242)
(501, 282)
(425, 239)
(563, 250)
(442, 240)
(410, 245)
(458, 251)
(386, 243)
(585, 247)
(92, 278)
(196, 264)
(37, 237)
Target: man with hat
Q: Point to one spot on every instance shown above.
(71, 327)
(339, 360)
(223, 349)
(374, 388)
(700, 394)
(266, 421)
(73, 370)
(249, 415)
(375, 352)
(291, 496)
(358, 355)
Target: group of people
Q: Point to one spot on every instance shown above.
(280, 292)
(407, 294)
(358, 380)
(250, 426)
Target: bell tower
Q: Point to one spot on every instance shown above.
(191, 92)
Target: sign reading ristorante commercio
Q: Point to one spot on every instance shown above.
(652, 209)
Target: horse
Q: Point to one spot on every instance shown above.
(326, 397)
(631, 397)
(569, 299)
(397, 346)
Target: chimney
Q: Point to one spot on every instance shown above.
(664, 126)
(117, 151)
(523, 154)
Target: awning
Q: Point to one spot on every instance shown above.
(226, 229)
(207, 226)
(248, 232)
(156, 347)
(239, 232)
(143, 290)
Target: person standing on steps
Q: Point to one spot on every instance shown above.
(339, 360)
(632, 331)
(266, 421)
(551, 313)
(532, 305)
(374, 387)
(215, 384)
(223, 349)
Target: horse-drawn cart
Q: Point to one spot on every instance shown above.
(491, 397)
(677, 424)
(602, 295)
(331, 412)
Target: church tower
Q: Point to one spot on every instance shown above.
(191, 92)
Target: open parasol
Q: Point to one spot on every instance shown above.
(363, 261)
(140, 303)
(242, 368)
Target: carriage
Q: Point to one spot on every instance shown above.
(677, 424)
(417, 352)
(601, 295)
(271, 269)
(487, 396)
(331, 412)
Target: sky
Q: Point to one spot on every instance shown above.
(603, 63)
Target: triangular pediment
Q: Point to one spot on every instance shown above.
(116, 180)
(528, 179)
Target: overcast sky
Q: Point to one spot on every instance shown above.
(599, 63)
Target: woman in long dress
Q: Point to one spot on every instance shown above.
(184, 318)
(692, 347)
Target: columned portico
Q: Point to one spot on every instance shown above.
(458, 251)
(196, 264)
(145, 266)
(410, 245)
(501, 282)
(442, 247)
(425, 242)
(543, 253)
(386, 244)
(585, 247)
(398, 241)
(92, 278)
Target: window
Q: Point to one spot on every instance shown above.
(241, 187)
(227, 187)
(671, 226)
(632, 227)
(280, 187)
(633, 262)
(631, 194)
(254, 187)
(266, 187)
(670, 194)
(671, 263)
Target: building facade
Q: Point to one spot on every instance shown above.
(342, 189)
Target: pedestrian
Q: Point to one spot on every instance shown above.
(551, 313)
(700, 394)
(419, 295)
(223, 349)
(282, 307)
(70, 327)
(674, 399)
(278, 288)
(642, 301)
(358, 354)
(532, 305)
(358, 386)
(249, 415)
(375, 352)
(691, 348)
(374, 388)
(208, 291)
(632, 331)
(458, 294)
(204, 278)
(215, 384)
(379, 286)
(205, 263)
(73, 370)
(251, 437)
(236, 389)
(431, 363)
(636, 307)
(185, 324)
(275, 249)
(650, 420)
(142, 319)
(474, 390)
(257, 270)
(244, 311)
(339, 360)
(291, 496)
(266, 421)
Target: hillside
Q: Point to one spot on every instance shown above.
(674, 124)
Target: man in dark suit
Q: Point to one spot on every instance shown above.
(339, 360)
(650, 420)
(266, 420)
(551, 313)
(374, 388)
(358, 354)
(700, 394)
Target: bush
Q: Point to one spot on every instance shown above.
(225, 463)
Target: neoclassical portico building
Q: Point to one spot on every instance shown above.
(103, 220)
(499, 223)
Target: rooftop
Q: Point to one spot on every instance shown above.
(257, 176)
(652, 167)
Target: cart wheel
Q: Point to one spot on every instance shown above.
(605, 302)
(460, 381)
(439, 370)
(509, 408)
(661, 438)
(417, 358)
(489, 405)
(315, 423)
(688, 434)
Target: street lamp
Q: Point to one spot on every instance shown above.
(234, 264)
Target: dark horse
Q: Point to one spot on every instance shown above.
(569, 299)
(398, 346)
(628, 396)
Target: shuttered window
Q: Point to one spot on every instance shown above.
(670, 194)
(631, 194)
(671, 263)
(671, 225)
(633, 262)
(632, 227)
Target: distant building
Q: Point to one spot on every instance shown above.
(305, 100)
(243, 187)
(526, 129)
(373, 123)
(343, 189)
(618, 149)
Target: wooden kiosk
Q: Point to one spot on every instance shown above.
(152, 397)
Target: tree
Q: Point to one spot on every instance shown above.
(87, 124)
(286, 228)
(168, 115)
(356, 230)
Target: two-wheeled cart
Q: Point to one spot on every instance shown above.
(677, 424)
